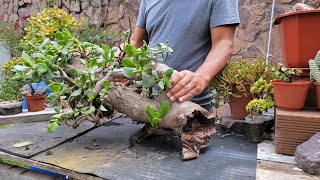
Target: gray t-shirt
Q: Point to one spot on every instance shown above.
(186, 25)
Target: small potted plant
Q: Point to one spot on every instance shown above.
(255, 120)
(35, 98)
(10, 98)
(288, 94)
(315, 76)
(234, 82)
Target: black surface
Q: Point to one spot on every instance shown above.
(105, 152)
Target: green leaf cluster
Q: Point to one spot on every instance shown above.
(286, 74)
(139, 63)
(258, 106)
(237, 75)
(156, 115)
(44, 25)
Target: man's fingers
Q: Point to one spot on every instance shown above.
(183, 91)
(175, 79)
(188, 96)
(178, 87)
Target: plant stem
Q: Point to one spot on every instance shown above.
(32, 89)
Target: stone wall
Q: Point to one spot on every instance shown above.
(251, 35)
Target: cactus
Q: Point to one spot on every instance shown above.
(314, 68)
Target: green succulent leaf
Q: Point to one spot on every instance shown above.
(128, 62)
(21, 68)
(130, 50)
(27, 59)
(147, 80)
(35, 77)
(150, 111)
(22, 144)
(77, 92)
(164, 108)
(53, 127)
(59, 36)
(102, 108)
(42, 68)
(129, 72)
(169, 73)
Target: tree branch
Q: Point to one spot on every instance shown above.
(65, 76)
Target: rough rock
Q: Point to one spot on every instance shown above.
(1, 9)
(96, 3)
(24, 12)
(15, 6)
(75, 6)
(307, 155)
(84, 4)
(66, 3)
(88, 11)
(27, 1)
(13, 18)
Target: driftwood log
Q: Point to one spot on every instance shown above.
(188, 119)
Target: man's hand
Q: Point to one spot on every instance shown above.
(187, 84)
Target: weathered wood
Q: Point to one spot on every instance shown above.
(48, 167)
(293, 128)
(26, 116)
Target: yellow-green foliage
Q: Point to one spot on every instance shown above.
(44, 25)
(258, 106)
(8, 65)
(262, 89)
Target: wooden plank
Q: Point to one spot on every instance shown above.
(47, 167)
(293, 128)
(267, 170)
(26, 117)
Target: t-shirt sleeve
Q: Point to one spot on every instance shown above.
(224, 12)
(141, 20)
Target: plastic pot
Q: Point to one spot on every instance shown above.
(290, 96)
(35, 103)
(317, 92)
(238, 104)
(298, 36)
(10, 108)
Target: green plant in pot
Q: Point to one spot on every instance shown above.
(234, 82)
(31, 71)
(289, 95)
(256, 107)
(315, 76)
(10, 98)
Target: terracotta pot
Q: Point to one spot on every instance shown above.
(298, 32)
(317, 92)
(290, 96)
(238, 104)
(35, 103)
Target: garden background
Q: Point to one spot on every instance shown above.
(251, 35)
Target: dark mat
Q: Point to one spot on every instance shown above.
(37, 132)
(104, 152)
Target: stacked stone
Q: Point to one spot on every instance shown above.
(96, 11)
(252, 34)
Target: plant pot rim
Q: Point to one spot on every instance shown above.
(9, 104)
(281, 16)
(35, 96)
(300, 82)
(316, 83)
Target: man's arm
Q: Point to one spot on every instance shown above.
(139, 35)
(187, 84)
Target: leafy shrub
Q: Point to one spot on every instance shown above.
(8, 65)
(237, 75)
(45, 25)
(89, 32)
(10, 36)
(9, 89)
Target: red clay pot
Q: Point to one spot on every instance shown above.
(238, 104)
(317, 91)
(35, 103)
(290, 96)
(298, 32)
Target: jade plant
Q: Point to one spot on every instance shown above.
(315, 68)
(286, 74)
(262, 89)
(237, 76)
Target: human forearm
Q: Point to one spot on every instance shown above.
(216, 60)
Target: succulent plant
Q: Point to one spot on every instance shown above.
(314, 68)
